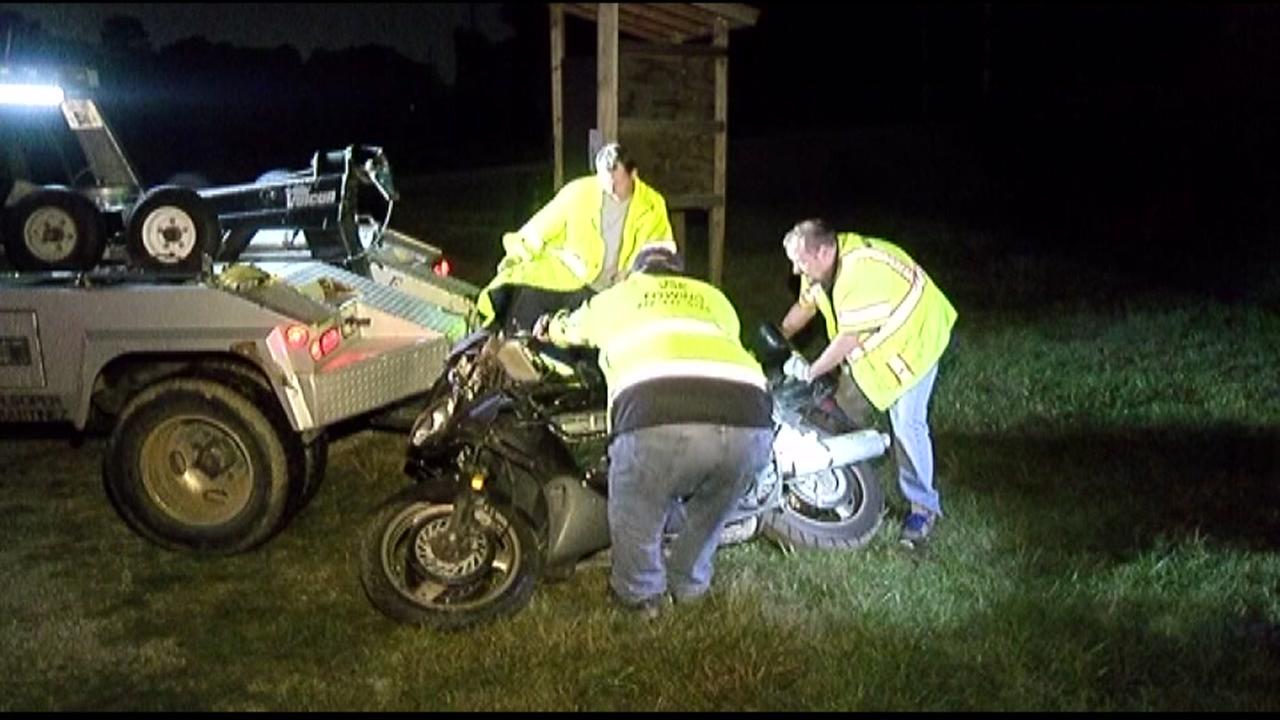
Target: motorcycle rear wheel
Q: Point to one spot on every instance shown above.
(498, 579)
(838, 509)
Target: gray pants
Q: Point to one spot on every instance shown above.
(651, 470)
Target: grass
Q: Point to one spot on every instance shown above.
(1109, 473)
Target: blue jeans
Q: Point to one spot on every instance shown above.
(912, 446)
(650, 471)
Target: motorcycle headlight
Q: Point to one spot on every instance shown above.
(432, 421)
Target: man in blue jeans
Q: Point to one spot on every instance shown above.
(889, 324)
(690, 420)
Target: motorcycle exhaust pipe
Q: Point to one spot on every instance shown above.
(800, 453)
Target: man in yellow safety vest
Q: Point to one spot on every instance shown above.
(689, 417)
(888, 324)
(581, 242)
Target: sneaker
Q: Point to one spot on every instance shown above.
(691, 596)
(647, 610)
(916, 527)
(741, 531)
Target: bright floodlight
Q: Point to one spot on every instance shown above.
(30, 94)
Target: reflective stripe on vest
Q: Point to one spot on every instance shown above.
(874, 313)
(903, 311)
(900, 369)
(645, 333)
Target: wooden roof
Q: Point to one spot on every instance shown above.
(673, 23)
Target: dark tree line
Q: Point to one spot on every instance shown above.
(231, 113)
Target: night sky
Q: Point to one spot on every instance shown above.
(420, 31)
(856, 60)
(1111, 128)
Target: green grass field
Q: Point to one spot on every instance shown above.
(1109, 470)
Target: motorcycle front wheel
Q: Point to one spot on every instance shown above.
(839, 509)
(415, 573)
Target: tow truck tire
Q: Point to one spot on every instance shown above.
(308, 461)
(193, 465)
(172, 229)
(316, 462)
(54, 229)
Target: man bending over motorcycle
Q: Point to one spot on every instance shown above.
(889, 324)
(689, 418)
(580, 243)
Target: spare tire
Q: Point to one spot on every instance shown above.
(54, 228)
(277, 175)
(172, 228)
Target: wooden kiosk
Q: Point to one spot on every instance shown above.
(662, 91)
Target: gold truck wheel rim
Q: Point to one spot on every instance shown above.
(196, 470)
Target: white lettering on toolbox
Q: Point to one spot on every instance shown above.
(301, 196)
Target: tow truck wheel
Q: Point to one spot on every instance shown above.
(172, 228)
(307, 461)
(193, 465)
(54, 229)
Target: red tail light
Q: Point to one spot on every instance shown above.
(297, 336)
(442, 267)
(326, 343)
(329, 340)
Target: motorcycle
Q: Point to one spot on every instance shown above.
(509, 458)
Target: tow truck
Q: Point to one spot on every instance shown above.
(217, 380)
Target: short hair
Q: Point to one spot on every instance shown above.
(657, 259)
(612, 155)
(812, 233)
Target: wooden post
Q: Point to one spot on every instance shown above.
(678, 229)
(716, 223)
(557, 93)
(607, 71)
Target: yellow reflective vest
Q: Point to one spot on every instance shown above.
(651, 327)
(562, 246)
(901, 318)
